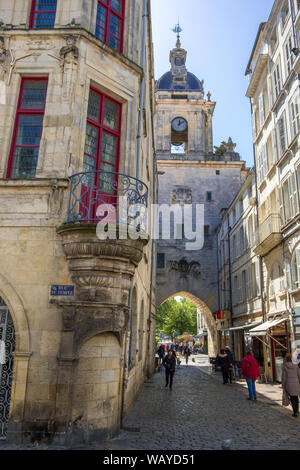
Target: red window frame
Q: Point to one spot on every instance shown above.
(109, 12)
(95, 193)
(24, 112)
(102, 128)
(34, 12)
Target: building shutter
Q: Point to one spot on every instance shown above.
(261, 110)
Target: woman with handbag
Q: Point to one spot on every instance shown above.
(291, 383)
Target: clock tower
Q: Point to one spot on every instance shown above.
(190, 172)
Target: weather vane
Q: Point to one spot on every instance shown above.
(177, 29)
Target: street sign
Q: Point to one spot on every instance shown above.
(62, 290)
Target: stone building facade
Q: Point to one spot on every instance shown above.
(76, 312)
(239, 274)
(265, 296)
(273, 71)
(190, 172)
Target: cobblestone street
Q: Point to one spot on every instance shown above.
(201, 413)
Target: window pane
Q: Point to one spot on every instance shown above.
(25, 161)
(115, 43)
(34, 94)
(117, 5)
(115, 26)
(94, 106)
(88, 165)
(44, 20)
(111, 115)
(109, 148)
(29, 130)
(45, 5)
(107, 180)
(100, 22)
(91, 140)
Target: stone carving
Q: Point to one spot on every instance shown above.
(68, 316)
(226, 151)
(181, 196)
(70, 48)
(14, 60)
(39, 44)
(4, 66)
(68, 61)
(185, 268)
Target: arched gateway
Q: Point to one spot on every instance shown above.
(209, 319)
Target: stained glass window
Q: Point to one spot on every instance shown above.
(28, 129)
(110, 22)
(42, 14)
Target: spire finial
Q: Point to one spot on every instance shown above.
(177, 29)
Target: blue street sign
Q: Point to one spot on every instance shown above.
(62, 290)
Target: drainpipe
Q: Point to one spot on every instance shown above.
(126, 362)
(230, 283)
(139, 135)
(141, 101)
(261, 278)
(219, 302)
(153, 251)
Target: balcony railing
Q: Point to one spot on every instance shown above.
(101, 195)
(268, 235)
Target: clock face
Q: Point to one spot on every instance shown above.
(179, 124)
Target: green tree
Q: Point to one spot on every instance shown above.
(177, 317)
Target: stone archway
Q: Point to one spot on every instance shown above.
(209, 319)
(21, 356)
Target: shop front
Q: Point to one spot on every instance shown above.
(242, 342)
(274, 337)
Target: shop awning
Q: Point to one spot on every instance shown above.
(242, 327)
(261, 330)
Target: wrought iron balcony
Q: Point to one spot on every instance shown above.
(268, 235)
(97, 195)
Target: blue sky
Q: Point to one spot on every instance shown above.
(219, 36)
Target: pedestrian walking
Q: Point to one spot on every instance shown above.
(250, 371)
(169, 363)
(187, 353)
(231, 362)
(291, 382)
(223, 362)
(161, 353)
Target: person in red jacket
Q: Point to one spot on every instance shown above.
(250, 371)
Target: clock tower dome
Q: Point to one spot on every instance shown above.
(184, 116)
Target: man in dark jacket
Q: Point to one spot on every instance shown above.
(231, 362)
(187, 353)
(223, 362)
(169, 363)
(161, 353)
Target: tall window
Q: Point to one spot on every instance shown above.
(289, 56)
(42, 14)
(289, 198)
(281, 134)
(102, 133)
(294, 115)
(28, 128)
(277, 79)
(110, 22)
